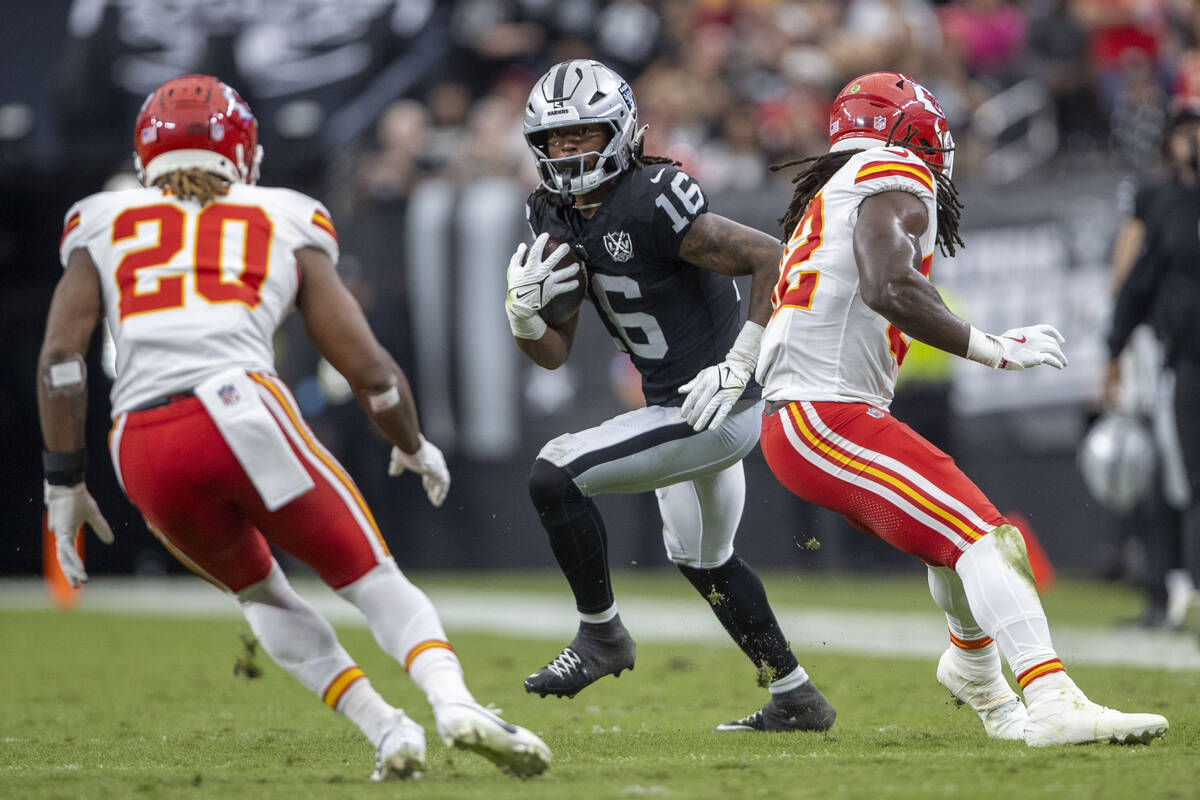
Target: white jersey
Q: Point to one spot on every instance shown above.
(191, 291)
(823, 343)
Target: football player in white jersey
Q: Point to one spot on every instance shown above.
(853, 288)
(194, 273)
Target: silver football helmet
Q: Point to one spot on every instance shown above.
(581, 92)
(1117, 459)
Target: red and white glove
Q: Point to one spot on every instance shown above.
(67, 509)
(430, 464)
(1019, 348)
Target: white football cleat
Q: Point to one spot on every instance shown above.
(1002, 712)
(401, 752)
(470, 726)
(1068, 717)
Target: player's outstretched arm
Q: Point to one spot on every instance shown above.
(336, 324)
(887, 249)
(728, 247)
(62, 409)
(532, 284)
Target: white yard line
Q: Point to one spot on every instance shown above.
(541, 616)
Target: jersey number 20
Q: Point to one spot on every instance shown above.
(207, 267)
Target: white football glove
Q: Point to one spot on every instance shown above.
(67, 509)
(430, 464)
(1018, 348)
(532, 283)
(712, 393)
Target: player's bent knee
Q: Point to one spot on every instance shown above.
(549, 484)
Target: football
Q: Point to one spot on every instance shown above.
(563, 307)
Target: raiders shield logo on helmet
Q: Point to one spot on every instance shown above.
(619, 245)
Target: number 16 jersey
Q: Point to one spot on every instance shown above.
(188, 290)
(823, 343)
(672, 317)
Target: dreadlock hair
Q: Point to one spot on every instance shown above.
(643, 160)
(194, 183)
(819, 169)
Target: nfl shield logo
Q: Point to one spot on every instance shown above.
(619, 245)
(627, 95)
(228, 394)
(880, 123)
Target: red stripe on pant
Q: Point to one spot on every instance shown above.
(879, 499)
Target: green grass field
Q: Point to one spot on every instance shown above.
(101, 705)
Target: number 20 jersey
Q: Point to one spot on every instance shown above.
(823, 343)
(188, 290)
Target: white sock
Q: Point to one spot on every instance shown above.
(406, 626)
(363, 706)
(793, 680)
(976, 652)
(295, 636)
(1051, 686)
(439, 675)
(998, 581)
(604, 616)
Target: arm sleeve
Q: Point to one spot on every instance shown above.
(321, 233)
(533, 215)
(890, 169)
(1136, 297)
(309, 221)
(673, 202)
(83, 222)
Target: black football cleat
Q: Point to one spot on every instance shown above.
(597, 650)
(802, 709)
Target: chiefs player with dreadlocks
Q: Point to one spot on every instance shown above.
(853, 290)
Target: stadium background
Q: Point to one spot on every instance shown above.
(404, 118)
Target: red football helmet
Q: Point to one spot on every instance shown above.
(882, 104)
(196, 121)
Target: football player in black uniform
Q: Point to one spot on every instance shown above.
(658, 266)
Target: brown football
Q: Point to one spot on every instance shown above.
(563, 307)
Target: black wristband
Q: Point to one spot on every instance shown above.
(64, 469)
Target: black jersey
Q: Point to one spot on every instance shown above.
(1163, 286)
(672, 317)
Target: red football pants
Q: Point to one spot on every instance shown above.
(177, 469)
(880, 475)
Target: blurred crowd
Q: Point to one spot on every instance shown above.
(729, 87)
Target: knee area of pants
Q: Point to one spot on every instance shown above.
(384, 573)
(550, 484)
(691, 564)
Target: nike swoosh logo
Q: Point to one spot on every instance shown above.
(659, 175)
(1015, 339)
